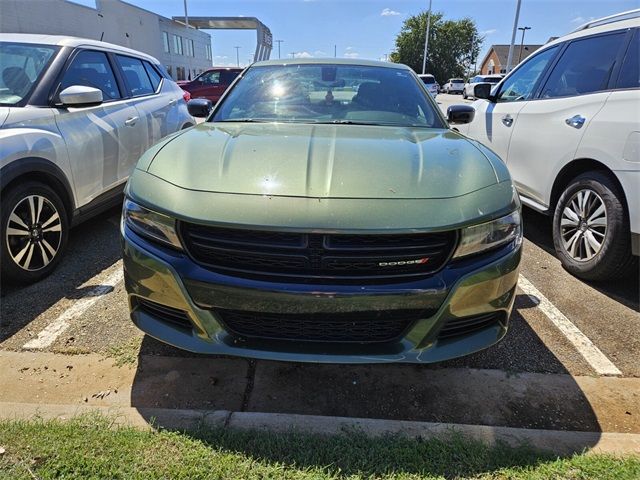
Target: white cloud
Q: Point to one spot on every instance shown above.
(349, 49)
(319, 53)
(581, 19)
(351, 55)
(221, 57)
(387, 12)
(489, 32)
(302, 55)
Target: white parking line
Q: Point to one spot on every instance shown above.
(592, 354)
(52, 331)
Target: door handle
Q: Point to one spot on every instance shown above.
(173, 102)
(577, 121)
(507, 120)
(131, 121)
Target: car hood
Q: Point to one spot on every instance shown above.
(322, 161)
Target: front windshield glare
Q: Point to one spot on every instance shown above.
(329, 94)
(20, 67)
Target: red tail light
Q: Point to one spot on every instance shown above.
(186, 95)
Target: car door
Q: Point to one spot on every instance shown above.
(143, 83)
(208, 86)
(495, 120)
(549, 128)
(101, 140)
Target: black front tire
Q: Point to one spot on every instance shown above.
(614, 258)
(42, 248)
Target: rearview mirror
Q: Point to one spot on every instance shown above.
(80, 96)
(199, 107)
(457, 114)
(482, 90)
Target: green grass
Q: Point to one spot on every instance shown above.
(90, 447)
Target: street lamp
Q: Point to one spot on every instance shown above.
(237, 56)
(524, 29)
(426, 41)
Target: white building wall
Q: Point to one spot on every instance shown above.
(112, 21)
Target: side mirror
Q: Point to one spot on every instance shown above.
(199, 107)
(457, 114)
(482, 90)
(80, 96)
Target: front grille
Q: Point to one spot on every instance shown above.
(359, 327)
(289, 256)
(465, 325)
(166, 314)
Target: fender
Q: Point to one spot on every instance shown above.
(35, 166)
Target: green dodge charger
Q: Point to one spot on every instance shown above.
(325, 211)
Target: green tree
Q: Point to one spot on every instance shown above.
(454, 45)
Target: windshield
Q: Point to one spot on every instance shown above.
(457, 80)
(313, 93)
(493, 79)
(428, 80)
(21, 64)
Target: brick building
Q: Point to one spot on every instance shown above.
(495, 61)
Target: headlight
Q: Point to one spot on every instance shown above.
(485, 236)
(149, 224)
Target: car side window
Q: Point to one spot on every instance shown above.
(585, 66)
(92, 69)
(210, 78)
(135, 76)
(154, 76)
(629, 72)
(228, 77)
(521, 84)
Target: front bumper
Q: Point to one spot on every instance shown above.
(463, 289)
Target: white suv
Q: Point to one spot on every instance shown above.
(75, 116)
(453, 85)
(430, 84)
(567, 123)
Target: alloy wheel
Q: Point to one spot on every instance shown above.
(583, 225)
(34, 233)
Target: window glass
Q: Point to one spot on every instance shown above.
(20, 66)
(165, 41)
(522, 82)
(228, 76)
(177, 44)
(180, 73)
(210, 78)
(135, 76)
(630, 73)
(92, 69)
(330, 94)
(154, 76)
(585, 66)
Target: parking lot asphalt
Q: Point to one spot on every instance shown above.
(562, 328)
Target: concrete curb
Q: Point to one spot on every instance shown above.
(556, 441)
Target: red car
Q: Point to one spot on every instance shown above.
(211, 83)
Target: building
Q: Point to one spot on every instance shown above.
(495, 61)
(185, 51)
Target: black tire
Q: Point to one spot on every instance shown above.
(613, 259)
(31, 257)
(464, 94)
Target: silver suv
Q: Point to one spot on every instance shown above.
(75, 116)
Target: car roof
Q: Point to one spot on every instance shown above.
(332, 61)
(624, 20)
(68, 41)
(426, 75)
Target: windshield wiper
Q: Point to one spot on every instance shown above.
(244, 120)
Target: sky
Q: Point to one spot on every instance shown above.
(368, 28)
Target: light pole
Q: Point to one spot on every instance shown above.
(335, 51)
(186, 15)
(237, 56)
(279, 42)
(426, 41)
(513, 37)
(524, 29)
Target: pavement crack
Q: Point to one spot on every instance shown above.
(251, 372)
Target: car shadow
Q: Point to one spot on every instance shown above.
(93, 246)
(538, 230)
(507, 385)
